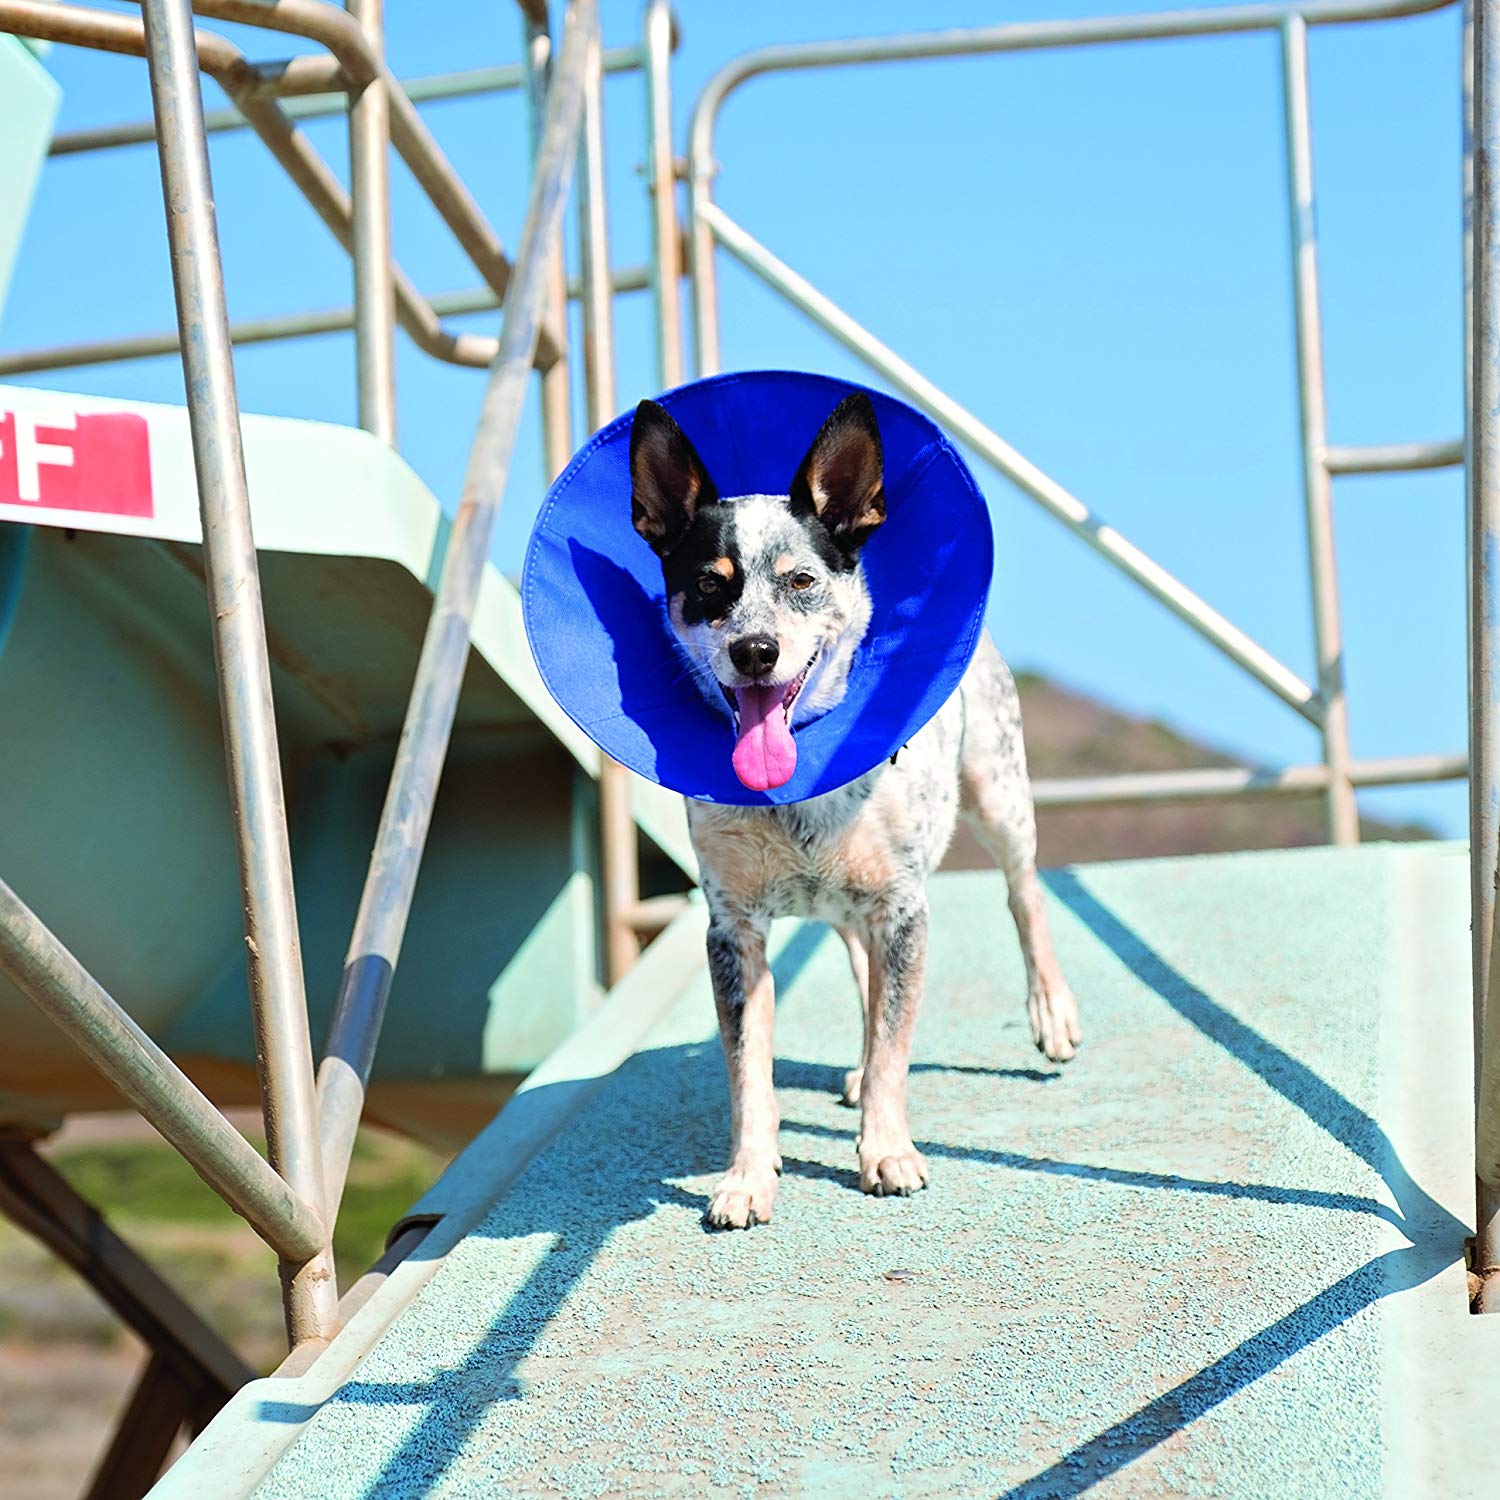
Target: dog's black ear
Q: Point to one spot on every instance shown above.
(842, 480)
(667, 479)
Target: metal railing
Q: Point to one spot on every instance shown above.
(311, 1118)
(1482, 440)
(1325, 703)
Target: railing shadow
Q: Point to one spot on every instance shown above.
(1436, 1236)
(582, 1219)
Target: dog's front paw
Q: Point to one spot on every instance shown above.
(892, 1170)
(1055, 1027)
(745, 1197)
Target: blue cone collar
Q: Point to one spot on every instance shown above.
(593, 596)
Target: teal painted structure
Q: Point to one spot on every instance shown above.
(114, 816)
(1221, 1254)
(114, 820)
(29, 98)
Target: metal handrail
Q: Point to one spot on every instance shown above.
(278, 1001)
(310, 1123)
(110, 31)
(1015, 36)
(113, 32)
(391, 880)
(362, 65)
(1482, 267)
(710, 228)
(619, 872)
(310, 95)
(666, 244)
(37, 963)
(273, 329)
(370, 200)
(1057, 501)
(1312, 410)
(420, 316)
(1213, 783)
(1393, 458)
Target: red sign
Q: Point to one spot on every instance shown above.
(62, 460)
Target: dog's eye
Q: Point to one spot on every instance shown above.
(710, 584)
(802, 581)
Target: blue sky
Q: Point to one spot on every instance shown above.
(1088, 248)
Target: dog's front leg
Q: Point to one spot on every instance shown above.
(746, 1002)
(888, 1162)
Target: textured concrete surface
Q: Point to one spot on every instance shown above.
(1217, 1255)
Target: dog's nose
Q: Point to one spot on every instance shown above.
(754, 655)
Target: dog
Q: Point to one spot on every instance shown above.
(767, 598)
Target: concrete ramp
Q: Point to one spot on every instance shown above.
(1221, 1254)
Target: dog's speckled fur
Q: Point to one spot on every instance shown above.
(857, 858)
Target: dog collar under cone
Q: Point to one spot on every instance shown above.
(593, 594)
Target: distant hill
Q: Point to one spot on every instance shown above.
(1068, 734)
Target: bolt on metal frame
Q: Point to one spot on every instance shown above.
(711, 228)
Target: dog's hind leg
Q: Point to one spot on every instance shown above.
(998, 807)
(744, 995)
(859, 962)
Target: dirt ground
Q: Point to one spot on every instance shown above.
(66, 1365)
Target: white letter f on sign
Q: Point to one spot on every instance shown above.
(31, 453)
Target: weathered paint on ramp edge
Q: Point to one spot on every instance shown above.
(1174, 1267)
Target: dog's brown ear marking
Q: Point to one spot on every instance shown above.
(667, 479)
(842, 479)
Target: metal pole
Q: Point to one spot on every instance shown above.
(322, 22)
(1317, 487)
(429, 88)
(661, 179)
(557, 400)
(1019, 36)
(370, 190)
(37, 963)
(278, 1004)
(593, 255)
(702, 168)
(1484, 556)
(617, 843)
(1233, 781)
(385, 904)
(1042, 488)
(268, 330)
(1393, 458)
(111, 31)
(1484, 842)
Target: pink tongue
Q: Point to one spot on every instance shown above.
(764, 755)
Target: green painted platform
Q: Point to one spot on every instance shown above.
(114, 819)
(1220, 1254)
